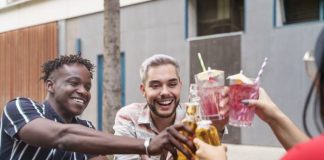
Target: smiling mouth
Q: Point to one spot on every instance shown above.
(165, 102)
(79, 101)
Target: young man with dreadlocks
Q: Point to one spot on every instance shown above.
(53, 131)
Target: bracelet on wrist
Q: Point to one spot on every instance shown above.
(146, 145)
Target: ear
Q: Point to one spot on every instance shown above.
(49, 85)
(142, 88)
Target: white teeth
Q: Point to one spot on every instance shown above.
(165, 102)
(78, 100)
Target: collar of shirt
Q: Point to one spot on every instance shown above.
(146, 119)
(51, 114)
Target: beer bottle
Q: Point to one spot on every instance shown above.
(192, 109)
(189, 120)
(207, 132)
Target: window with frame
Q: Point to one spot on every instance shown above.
(219, 16)
(298, 11)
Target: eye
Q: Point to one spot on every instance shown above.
(155, 86)
(74, 83)
(173, 84)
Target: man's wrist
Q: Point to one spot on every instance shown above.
(146, 145)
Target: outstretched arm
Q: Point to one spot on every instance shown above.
(285, 130)
(46, 133)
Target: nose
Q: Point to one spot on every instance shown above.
(165, 90)
(83, 91)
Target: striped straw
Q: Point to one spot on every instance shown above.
(261, 70)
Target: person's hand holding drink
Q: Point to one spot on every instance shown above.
(209, 152)
(241, 88)
(265, 108)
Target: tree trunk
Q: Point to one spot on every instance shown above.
(112, 75)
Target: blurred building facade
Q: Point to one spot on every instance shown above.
(231, 35)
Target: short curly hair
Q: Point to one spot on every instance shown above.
(52, 65)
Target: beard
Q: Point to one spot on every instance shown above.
(153, 107)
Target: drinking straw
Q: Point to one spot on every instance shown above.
(261, 70)
(201, 62)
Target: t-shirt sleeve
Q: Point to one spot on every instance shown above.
(19, 112)
(312, 149)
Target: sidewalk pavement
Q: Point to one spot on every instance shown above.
(247, 152)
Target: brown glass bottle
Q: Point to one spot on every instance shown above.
(207, 133)
(190, 121)
(193, 125)
(191, 109)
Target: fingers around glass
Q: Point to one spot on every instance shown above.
(174, 142)
(181, 127)
(225, 91)
(177, 140)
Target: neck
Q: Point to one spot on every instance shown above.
(59, 110)
(162, 123)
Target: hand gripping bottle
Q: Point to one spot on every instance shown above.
(206, 132)
(191, 117)
(190, 120)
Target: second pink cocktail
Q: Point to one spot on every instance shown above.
(240, 114)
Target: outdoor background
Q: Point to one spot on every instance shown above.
(231, 35)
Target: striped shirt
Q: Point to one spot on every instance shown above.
(19, 112)
(135, 121)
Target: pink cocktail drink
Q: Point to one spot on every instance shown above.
(210, 85)
(240, 114)
(210, 99)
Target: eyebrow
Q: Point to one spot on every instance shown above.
(154, 81)
(78, 79)
(73, 78)
(157, 81)
(173, 80)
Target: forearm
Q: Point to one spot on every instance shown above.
(45, 133)
(82, 139)
(286, 131)
(99, 158)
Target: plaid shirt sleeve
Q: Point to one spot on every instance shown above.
(124, 126)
